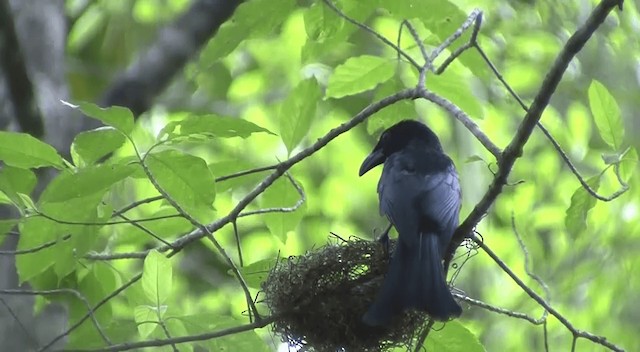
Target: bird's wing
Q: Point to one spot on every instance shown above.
(415, 200)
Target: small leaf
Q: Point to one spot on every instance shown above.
(281, 194)
(90, 146)
(628, 164)
(581, 203)
(186, 179)
(359, 74)
(157, 278)
(210, 126)
(254, 274)
(297, 112)
(15, 181)
(454, 337)
(86, 181)
(24, 151)
(146, 318)
(117, 116)
(606, 114)
(610, 159)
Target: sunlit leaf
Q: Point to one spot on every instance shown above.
(15, 181)
(210, 126)
(90, 146)
(206, 323)
(24, 151)
(186, 179)
(157, 278)
(281, 194)
(606, 114)
(117, 116)
(86, 181)
(297, 112)
(629, 164)
(254, 274)
(392, 114)
(454, 337)
(147, 319)
(581, 203)
(359, 74)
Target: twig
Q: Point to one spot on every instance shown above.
(477, 18)
(541, 301)
(183, 339)
(499, 310)
(514, 149)
(293, 208)
(464, 119)
(90, 314)
(554, 142)
(372, 32)
(423, 336)
(106, 223)
(24, 329)
(204, 229)
(77, 294)
(474, 17)
(36, 249)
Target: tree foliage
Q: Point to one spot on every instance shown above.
(162, 227)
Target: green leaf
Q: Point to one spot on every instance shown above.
(186, 179)
(157, 278)
(455, 88)
(117, 116)
(628, 164)
(454, 337)
(147, 319)
(281, 194)
(24, 151)
(89, 146)
(86, 181)
(297, 112)
(252, 19)
(359, 74)
(606, 114)
(473, 159)
(210, 126)
(255, 274)
(581, 202)
(392, 114)
(14, 182)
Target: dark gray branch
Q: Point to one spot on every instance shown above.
(176, 44)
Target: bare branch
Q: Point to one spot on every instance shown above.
(36, 249)
(113, 294)
(293, 208)
(77, 294)
(183, 339)
(542, 302)
(499, 310)
(514, 149)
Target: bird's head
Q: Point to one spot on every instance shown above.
(397, 137)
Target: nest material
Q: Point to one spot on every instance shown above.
(322, 296)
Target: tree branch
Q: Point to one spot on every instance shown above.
(514, 150)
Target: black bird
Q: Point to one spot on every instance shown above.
(420, 194)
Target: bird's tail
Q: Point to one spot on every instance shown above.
(415, 280)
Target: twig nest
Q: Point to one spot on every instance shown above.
(322, 296)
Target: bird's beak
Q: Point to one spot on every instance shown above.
(374, 159)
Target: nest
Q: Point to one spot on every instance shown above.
(320, 299)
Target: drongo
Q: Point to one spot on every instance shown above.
(420, 194)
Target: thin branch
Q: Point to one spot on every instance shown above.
(303, 198)
(77, 294)
(246, 172)
(423, 336)
(554, 142)
(204, 229)
(90, 314)
(527, 262)
(474, 17)
(117, 256)
(106, 223)
(471, 43)
(36, 249)
(144, 229)
(135, 205)
(499, 310)
(514, 149)
(542, 302)
(372, 32)
(464, 119)
(183, 339)
(16, 318)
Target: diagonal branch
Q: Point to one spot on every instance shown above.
(514, 150)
